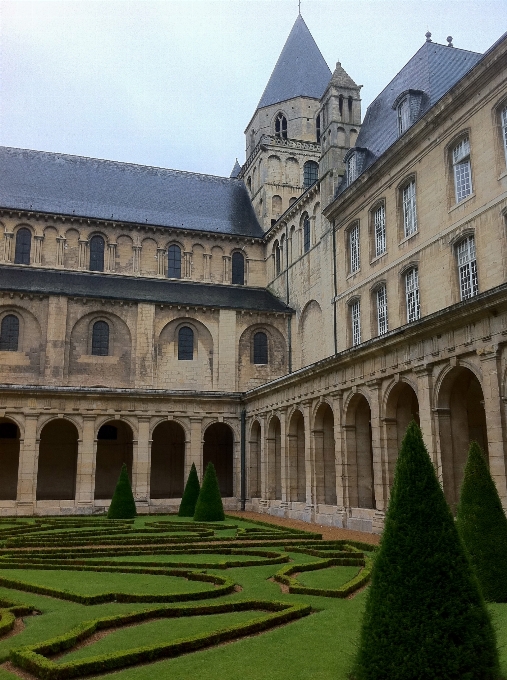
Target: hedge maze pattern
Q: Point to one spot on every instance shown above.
(178, 568)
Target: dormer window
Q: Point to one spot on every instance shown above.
(352, 168)
(281, 126)
(403, 116)
(408, 106)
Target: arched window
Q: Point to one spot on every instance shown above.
(310, 173)
(9, 333)
(97, 254)
(281, 126)
(238, 269)
(174, 262)
(306, 234)
(23, 246)
(462, 170)
(317, 127)
(403, 116)
(260, 348)
(412, 294)
(278, 259)
(185, 344)
(100, 339)
(467, 267)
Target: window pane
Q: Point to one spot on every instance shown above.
(354, 248)
(355, 313)
(260, 348)
(409, 209)
(174, 262)
(382, 310)
(277, 259)
(412, 292)
(9, 333)
(238, 269)
(23, 246)
(97, 254)
(306, 234)
(403, 116)
(467, 265)
(185, 344)
(310, 173)
(379, 219)
(351, 169)
(100, 339)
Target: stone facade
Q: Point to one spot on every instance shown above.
(381, 317)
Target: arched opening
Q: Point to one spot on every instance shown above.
(359, 452)
(254, 476)
(274, 443)
(218, 449)
(296, 467)
(185, 344)
(56, 474)
(9, 459)
(238, 269)
(97, 246)
(114, 447)
(325, 468)
(461, 419)
(401, 408)
(23, 246)
(100, 339)
(174, 262)
(9, 333)
(167, 474)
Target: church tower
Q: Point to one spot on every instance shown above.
(283, 137)
(340, 119)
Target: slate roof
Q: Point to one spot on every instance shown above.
(185, 293)
(434, 69)
(88, 187)
(301, 70)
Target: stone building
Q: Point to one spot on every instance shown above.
(285, 323)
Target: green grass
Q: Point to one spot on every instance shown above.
(332, 577)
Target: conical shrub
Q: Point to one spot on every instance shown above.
(425, 617)
(190, 495)
(209, 506)
(122, 505)
(482, 525)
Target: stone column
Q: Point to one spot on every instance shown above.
(7, 246)
(376, 444)
(339, 448)
(424, 395)
(136, 259)
(317, 458)
(309, 459)
(141, 465)
(111, 257)
(55, 339)
(207, 266)
(284, 458)
(444, 444)
(86, 461)
(82, 262)
(227, 268)
(161, 260)
(28, 463)
(489, 357)
(195, 448)
(187, 265)
(37, 249)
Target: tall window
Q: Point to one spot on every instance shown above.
(412, 294)
(379, 225)
(355, 318)
(281, 126)
(409, 209)
(174, 262)
(238, 269)
(185, 344)
(403, 116)
(317, 127)
(9, 333)
(467, 265)
(382, 310)
(278, 259)
(354, 248)
(351, 169)
(23, 246)
(306, 234)
(462, 171)
(260, 348)
(503, 121)
(310, 173)
(100, 339)
(97, 254)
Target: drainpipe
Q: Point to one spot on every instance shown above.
(243, 459)
(287, 296)
(335, 292)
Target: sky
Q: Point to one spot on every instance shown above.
(173, 83)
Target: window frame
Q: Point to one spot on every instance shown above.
(280, 126)
(403, 115)
(355, 321)
(173, 248)
(9, 343)
(353, 248)
(238, 276)
(23, 251)
(412, 294)
(408, 205)
(98, 346)
(310, 174)
(381, 307)
(183, 344)
(467, 267)
(460, 159)
(92, 255)
(260, 352)
(352, 173)
(378, 229)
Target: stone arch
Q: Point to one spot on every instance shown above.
(274, 169)
(254, 468)
(198, 251)
(461, 419)
(310, 332)
(274, 459)
(115, 443)
(276, 206)
(9, 459)
(401, 407)
(49, 247)
(217, 264)
(359, 452)
(251, 374)
(186, 374)
(57, 466)
(149, 266)
(292, 172)
(218, 448)
(71, 250)
(296, 458)
(167, 470)
(124, 260)
(324, 450)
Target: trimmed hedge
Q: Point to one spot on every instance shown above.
(33, 658)
(295, 587)
(209, 507)
(190, 494)
(123, 505)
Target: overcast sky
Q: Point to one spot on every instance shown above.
(174, 83)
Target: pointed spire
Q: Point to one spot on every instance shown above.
(301, 70)
(341, 78)
(236, 170)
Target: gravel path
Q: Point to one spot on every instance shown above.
(328, 533)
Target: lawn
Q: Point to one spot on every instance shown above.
(268, 641)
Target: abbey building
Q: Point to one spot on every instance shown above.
(285, 323)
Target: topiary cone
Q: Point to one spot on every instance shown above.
(190, 495)
(482, 525)
(122, 505)
(209, 506)
(425, 617)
